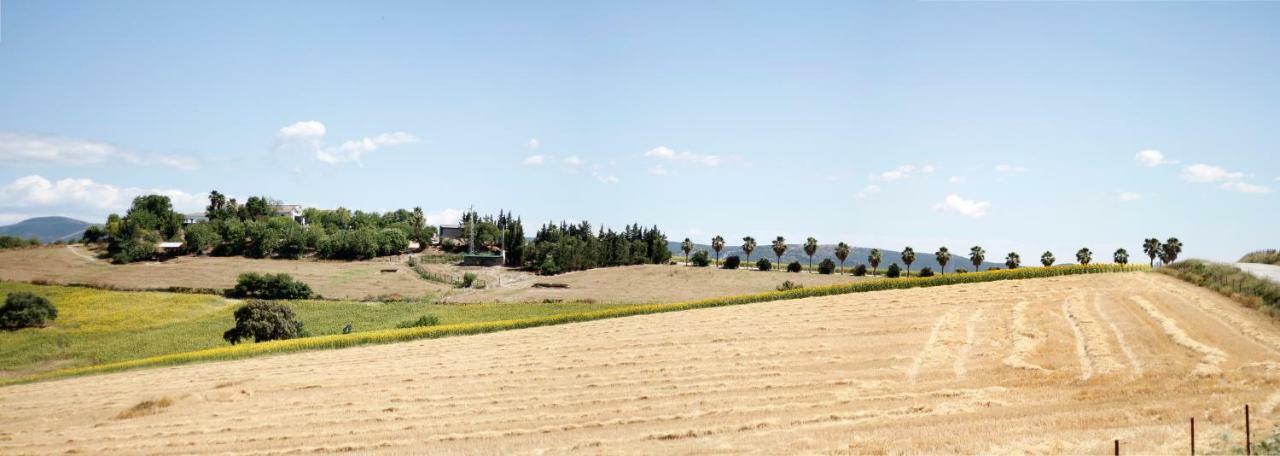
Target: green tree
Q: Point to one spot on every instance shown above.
(748, 245)
(1012, 260)
(1170, 250)
(908, 257)
(202, 238)
(943, 255)
(1121, 256)
(686, 246)
(810, 247)
(418, 228)
(263, 321)
(1151, 247)
(24, 309)
(717, 244)
(1047, 259)
(779, 248)
(842, 253)
(976, 256)
(874, 258)
(1084, 255)
(256, 208)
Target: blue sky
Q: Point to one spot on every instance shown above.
(1019, 126)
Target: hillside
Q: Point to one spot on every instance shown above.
(47, 229)
(1060, 365)
(858, 255)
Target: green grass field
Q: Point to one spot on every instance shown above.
(100, 327)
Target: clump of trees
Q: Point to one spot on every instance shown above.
(10, 242)
(270, 286)
(575, 247)
(26, 310)
(263, 321)
(134, 237)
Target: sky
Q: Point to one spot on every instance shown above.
(1019, 126)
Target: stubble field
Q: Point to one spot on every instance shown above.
(1055, 365)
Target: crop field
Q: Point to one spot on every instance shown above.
(645, 284)
(1051, 365)
(98, 326)
(332, 279)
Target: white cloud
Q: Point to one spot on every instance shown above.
(927, 169)
(309, 135)
(533, 143)
(534, 160)
(1152, 158)
(1129, 196)
(665, 153)
(84, 196)
(1009, 169)
(658, 170)
(1244, 187)
(903, 172)
(574, 160)
(955, 179)
(22, 148)
(1202, 173)
(609, 179)
(444, 217)
(968, 208)
(867, 191)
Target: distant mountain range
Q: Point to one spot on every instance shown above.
(857, 255)
(47, 229)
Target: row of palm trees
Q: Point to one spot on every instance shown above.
(1167, 252)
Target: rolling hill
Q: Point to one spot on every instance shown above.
(47, 229)
(858, 255)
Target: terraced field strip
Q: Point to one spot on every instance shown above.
(815, 375)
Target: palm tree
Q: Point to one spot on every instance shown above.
(1121, 256)
(1152, 248)
(943, 256)
(1012, 260)
(1170, 250)
(779, 248)
(874, 259)
(842, 253)
(1047, 259)
(908, 257)
(1084, 256)
(810, 247)
(748, 245)
(717, 244)
(686, 246)
(977, 256)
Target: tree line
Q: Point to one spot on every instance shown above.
(575, 246)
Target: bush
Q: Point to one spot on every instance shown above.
(264, 321)
(94, 233)
(860, 270)
(826, 266)
(26, 310)
(548, 266)
(764, 264)
(794, 266)
(468, 279)
(270, 286)
(1269, 256)
(789, 285)
(732, 262)
(700, 259)
(425, 320)
(893, 272)
(926, 272)
(960, 270)
(133, 250)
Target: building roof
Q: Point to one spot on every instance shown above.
(279, 208)
(170, 245)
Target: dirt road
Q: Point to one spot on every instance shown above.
(1060, 365)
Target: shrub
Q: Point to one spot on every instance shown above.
(26, 310)
(732, 262)
(700, 259)
(425, 320)
(133, 250)
(468, 279)
(1230, 281)
(94, 233)
(789, 285)
(548, 266)
(9, 242)
(860, 270)
(764, 264)
(1269, 256)
(794, 266)
(270, 286)
(961, 270)
(893, 272)
(826, 266)
(263, 321)
(926, 272)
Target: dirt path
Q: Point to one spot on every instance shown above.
(819, 375)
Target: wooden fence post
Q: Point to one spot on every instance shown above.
(1117, 447)
(1193, 436)
(1248, 441)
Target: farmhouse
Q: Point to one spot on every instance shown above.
(289, 210)
(451, 232)
(193, 218)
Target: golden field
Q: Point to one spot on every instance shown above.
(1051, 365)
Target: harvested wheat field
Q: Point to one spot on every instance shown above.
(1057, 365)
(643, 284)
(74, 264)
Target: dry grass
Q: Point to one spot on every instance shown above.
(333, 279)
(144, 408)
(816, 375)
(645, 284)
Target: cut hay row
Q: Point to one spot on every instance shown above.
(433, 332)
(1212, 357)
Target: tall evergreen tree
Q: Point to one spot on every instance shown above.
(810, 247)
(842, 253)
(874, 258)
(1151, 247)
(976, 256)
(779, 248)
(686, 246)
(717, 244)
(943, 256)
(908, 257)
(748, 245)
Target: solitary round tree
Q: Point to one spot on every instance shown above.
(1121, 256)
(26, 310)
(1047, 259)
(1084, 255)
(1012, 260)
(263, 321)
